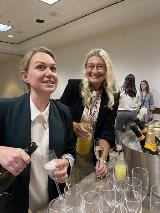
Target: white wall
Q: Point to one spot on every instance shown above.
(134, 49)
(10, 83)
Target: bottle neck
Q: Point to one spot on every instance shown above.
(144, 131)
(141, 138)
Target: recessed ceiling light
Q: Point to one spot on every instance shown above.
(10, 36)
(5, 28)
(49, 1)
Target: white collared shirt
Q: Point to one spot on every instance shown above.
(38, 187)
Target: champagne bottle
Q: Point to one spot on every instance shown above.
(6, 178)
(150, 142)
(141, 125)
(143, 128)
(139, 135)
(147, 143)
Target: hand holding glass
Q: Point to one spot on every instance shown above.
(83, 146)
(98, 149)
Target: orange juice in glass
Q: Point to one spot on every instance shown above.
(83, 146)
(120, 168)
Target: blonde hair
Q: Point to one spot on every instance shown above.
(109, 84)
(25, 62)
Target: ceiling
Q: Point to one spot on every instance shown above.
(67, 20)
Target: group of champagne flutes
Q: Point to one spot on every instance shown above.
(125, 194)
(117, 193)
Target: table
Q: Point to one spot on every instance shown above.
(90, 183)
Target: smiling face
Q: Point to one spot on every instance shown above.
(96, 72)
(41, 75)
(143, 86)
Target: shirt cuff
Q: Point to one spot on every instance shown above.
(70, 158)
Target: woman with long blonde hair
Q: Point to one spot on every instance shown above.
(93, 99)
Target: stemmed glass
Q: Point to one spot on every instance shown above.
(50, 166)
(109, 194)
(120, 173)
(56, 207)
(119, 140)
(142, 174)
(133, 194)
(91, 202)
(74, 210)
(73, 196)
(98, 150)
(155, 199)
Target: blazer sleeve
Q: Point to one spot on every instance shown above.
(108, 129)
(71, 92)
(70, 145)
(105, 127)
(67, 119)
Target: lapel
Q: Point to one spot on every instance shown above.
(56, 129)
(103, 108)
(21, 122)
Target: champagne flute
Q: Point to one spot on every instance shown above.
(155, 198)
(120, 173)
(98, 149)
(120, 168)
(91, 202)
(56, 207)
(50, 167)
(133, 194)
(109, 194)
(142, 174)
(73, 195)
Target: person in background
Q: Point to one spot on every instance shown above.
(146, 100)
(93, 98)
(129, 104)
(22, 120)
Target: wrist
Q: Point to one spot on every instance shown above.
(103, 161)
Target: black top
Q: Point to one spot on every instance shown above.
(104, 128)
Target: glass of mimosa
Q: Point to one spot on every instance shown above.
(120, 174)
(98, 149)
(120, 168)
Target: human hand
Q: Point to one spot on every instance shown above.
(81, 130)
(60, 174)
(13, 159)
(101, 169)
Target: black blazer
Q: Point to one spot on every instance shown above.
(106, 118)
(15, 131)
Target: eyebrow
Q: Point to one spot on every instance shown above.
(44, 63)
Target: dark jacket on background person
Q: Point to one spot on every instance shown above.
(15, 131)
